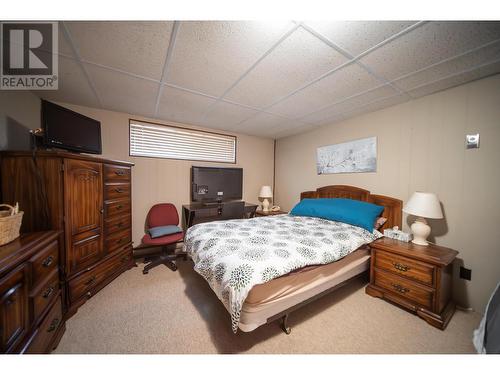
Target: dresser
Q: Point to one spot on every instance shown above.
(417, 278)
(88, 199)
(31, 314)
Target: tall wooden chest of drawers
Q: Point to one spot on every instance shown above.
(89, 200)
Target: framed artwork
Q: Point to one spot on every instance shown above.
(349, 157)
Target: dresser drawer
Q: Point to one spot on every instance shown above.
(44, 335)
(412, 269)
(118, 240)
(84, 284)
(116, 172)
(117, 190)
(44, 295)
(420, 295)
(44, 263)
(117, 207)
(117, 223)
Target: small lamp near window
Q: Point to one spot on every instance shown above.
(423, 205)
(266, 193)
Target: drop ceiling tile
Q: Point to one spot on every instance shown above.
(358, 36)
(261, 122)
(124, 93)
(456, 80)
(64, 45)
(135, 47)
(343, 83)
(225, 115)
(181, 106)
(295, 62)
(268, 125)
(428, 44)
(209, 56)
(73, 86)
(478, 57)
(350, 104)
(375, 106)
(298, 130)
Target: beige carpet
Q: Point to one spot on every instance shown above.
(176, 312)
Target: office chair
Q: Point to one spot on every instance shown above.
(160, 215)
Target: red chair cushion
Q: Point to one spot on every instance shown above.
(162, 214)
(164, 240)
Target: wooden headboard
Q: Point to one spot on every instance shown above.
(392, 206)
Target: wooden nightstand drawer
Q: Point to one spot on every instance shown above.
(397, 285)
(412, 269)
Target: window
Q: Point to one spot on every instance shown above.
(171, 142)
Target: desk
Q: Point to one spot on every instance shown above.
(195, 213)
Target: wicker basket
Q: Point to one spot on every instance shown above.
(9, 224)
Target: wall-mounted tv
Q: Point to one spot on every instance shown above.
(212, 184)
(70, 130)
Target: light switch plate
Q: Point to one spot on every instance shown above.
(472, 140)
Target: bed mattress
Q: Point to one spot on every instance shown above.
(275, 296)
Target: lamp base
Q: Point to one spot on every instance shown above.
(265, 205)
(421, 231)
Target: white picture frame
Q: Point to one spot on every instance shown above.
(358, 156)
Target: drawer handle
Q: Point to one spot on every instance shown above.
(48, 261)
(89, 294)
(90, 281)
(53, 325)
(400, 288)
(10, 296)
(48, 292)
(119, 207)
(118, 190)
(401, 267)
(119, 173)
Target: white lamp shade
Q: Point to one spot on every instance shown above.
(424, 205)
(266, 192)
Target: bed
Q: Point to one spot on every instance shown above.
(283, 261)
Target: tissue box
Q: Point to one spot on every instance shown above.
(398, 235)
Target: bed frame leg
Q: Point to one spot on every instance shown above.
(284, 325)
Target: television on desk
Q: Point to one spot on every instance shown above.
(214, 184)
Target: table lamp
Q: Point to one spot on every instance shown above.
(265, 193)
(423, 205)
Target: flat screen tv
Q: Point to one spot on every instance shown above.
(70, 130)
(212, 184)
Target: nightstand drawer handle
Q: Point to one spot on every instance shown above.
(400, 288)
(401, 267)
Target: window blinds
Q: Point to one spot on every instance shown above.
(164, 141)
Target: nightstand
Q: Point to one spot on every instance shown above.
(414, 277)
(269, 213)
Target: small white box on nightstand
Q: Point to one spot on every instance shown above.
(397, 234)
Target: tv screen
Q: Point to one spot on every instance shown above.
(70, 130)
(210, 184)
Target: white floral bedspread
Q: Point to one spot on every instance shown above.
(235, 255)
